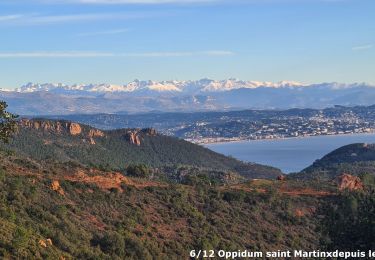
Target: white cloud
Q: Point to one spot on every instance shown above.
(218, 53)
(108, 32)
(363, 47)
(67, 18)
(10, 17)
(77, 54)
(177, 54)
(69, 54)
(38, 19)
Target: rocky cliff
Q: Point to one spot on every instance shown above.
(63, 128)
(58, 127)
(349, 182)
(135, 136)
(88, 134)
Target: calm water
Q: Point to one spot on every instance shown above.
(290, 155)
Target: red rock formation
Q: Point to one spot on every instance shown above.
(350, 182)
(55, 186)
(94, 133)
(299, 213)
(36, 125)
(42, 243)
(45, 243)
(58, 127)
(75, 129)
(133, 137)
(49, 241)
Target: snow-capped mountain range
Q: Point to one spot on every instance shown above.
(200, 95)
(203, 85)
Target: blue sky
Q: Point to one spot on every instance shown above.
(116, 41)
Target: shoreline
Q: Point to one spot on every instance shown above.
(204, 143)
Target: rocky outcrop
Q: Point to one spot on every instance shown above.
(94, 133)
(92, 141)
(55, 186)
(87, 134)
(134, 136)
(42, 243)
(45, 243)
(74, 129)
(49, 241)
(52, 126)
(62, 127)
(349, 182)
(281, 178)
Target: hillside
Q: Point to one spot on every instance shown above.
(66, 211)
(64, 141)
(63, 209)
(355, 159)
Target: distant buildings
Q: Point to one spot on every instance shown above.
(278, 127)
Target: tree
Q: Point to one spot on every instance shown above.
(350, 222)
(8, 124)
(140, 171)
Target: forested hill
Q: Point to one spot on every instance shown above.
(353, 159)
(66, 211)
(55, 209)
(67, 141)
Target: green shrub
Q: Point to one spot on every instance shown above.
(139, 171)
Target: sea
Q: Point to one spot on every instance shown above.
(289, 155)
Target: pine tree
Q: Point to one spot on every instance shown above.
(8, 124)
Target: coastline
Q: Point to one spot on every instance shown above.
(208, 141)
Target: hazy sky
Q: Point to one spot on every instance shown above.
(116, 41)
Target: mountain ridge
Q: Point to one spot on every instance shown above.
(188, 86)
(66, 141)
(189, 96)
(356, 159)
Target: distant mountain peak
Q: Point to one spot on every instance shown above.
(182, 95)
(178, 86)
(202, 85)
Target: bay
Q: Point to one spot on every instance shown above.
(289, 155)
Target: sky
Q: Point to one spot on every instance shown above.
(117, 41)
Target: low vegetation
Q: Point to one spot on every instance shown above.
(68, 197)
(139, 219)
(355, 159)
